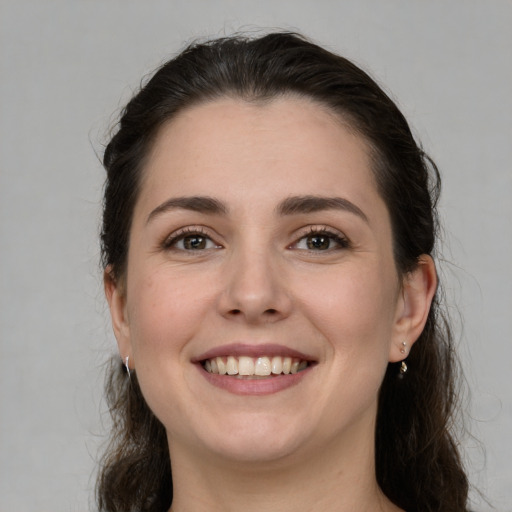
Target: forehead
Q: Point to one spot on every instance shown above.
(290, 145)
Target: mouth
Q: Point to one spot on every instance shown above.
(254, 369)
(246, 367)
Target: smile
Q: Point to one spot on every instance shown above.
(254, 367)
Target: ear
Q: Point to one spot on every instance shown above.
(116, 298)
(418, 289)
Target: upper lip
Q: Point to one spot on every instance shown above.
(251, 350)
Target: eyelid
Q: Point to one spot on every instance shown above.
(335, 234)
(170, 240)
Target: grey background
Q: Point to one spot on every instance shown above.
(67, 65)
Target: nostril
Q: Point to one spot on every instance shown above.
(271, 311)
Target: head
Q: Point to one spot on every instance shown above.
(263, 74)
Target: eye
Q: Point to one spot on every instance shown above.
(190, 240)
(194, 243)
(321, 240)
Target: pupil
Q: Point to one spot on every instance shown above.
(318, 242)
(194, 242)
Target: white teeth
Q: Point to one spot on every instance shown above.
(221, 366)
(262, 366)
(245, 366)
(231, 366)
(277, 365)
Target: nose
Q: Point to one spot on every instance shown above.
(255, 290)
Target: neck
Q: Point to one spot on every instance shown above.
(339, 478)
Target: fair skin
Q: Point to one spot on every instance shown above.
(259, 235)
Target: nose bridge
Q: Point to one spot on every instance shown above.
(255, 288)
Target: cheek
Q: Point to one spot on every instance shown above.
(354, 298)
(354, 309)
(163, 313)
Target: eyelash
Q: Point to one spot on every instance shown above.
(333, 236)
(170, 242)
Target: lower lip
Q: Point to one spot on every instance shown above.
(258, 386)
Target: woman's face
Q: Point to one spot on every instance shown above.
(259, 244)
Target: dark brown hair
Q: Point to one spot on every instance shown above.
(417, 461)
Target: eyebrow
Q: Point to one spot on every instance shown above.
(201, 204)
(309, 204)
(290, 206)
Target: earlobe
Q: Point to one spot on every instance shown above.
(116, 298)
(418, 290)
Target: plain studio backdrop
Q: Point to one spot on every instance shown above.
(66, 68)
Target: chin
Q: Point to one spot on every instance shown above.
(255, 439)
(257, 449)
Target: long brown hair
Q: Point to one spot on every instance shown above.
(417, 460)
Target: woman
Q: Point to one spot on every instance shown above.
(269, 225)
